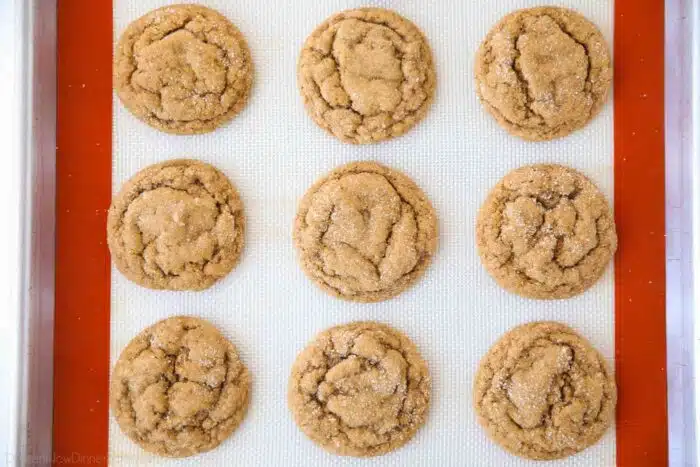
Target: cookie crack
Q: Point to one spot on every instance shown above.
(220, 393)
(588, 88)
(330, 355)
(524, 83)
(540, 234)
(231, 85)
(201, 266)
(326, 270)
(130, 396)
(195, 422)
(492, 394)
(566, 377)
(407, 113)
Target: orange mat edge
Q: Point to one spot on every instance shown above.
(640, 265)
(84, 187)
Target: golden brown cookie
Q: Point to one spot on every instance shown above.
(365, 232)
(183, 69)
(546, 231)
(543, 72)
(177, 225)
(366, 75)
(360, 389)
(543, 392)
(179, 388)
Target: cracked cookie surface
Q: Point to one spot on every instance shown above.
(543, 392)
(183, 69)
(365, 232)
(543, 72)
(366, 75)
(179, 388)
(360, 389)
(546, 232)
(177, 225)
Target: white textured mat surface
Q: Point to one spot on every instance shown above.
(273, 152)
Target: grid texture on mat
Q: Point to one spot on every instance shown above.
(273, 152)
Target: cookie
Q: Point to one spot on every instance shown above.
(177, 225)
(546, 231)
(366, 75)
(360, 389)
(183, 69)
(365, 232)
(179, 388)
(543, 392)
(543, 72)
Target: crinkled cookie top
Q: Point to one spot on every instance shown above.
(366, 75)
(183, 69)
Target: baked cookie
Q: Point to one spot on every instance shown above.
(360, 389)
(366, 75)
(365, 232)
(179, 388)
(546, 231)
(177, 225)
(183, 69)
(543, 392)
(543, 72)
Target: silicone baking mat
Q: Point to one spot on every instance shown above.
(273, 152)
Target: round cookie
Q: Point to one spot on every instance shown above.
(183, 69)
(177, 225)
(179, 388)
(543, 72)
(366, 75)
(543, 392)
(360, 389)
(546, 232)
(365, 232)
